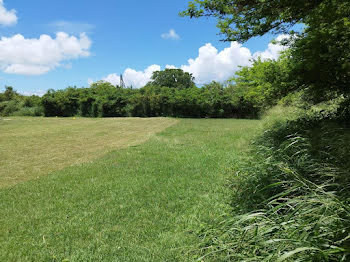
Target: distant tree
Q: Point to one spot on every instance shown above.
(173, 78)
(9, 93)
(102, 85)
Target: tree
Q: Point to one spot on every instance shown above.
(240, 20)
(9, 93)
(320, 55)
(173, 78)
(265, 82)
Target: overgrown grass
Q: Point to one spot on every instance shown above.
(31, 147)
(142, 203)
(290, 196)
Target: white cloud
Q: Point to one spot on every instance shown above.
(19, 55)
(273, 50)
(139, 78)
(210, 64)
(170, 67)
(131, 77)
(219, 66)
(37, 93)
(72, 27)
(21, 69)
(7, 17)
(170, 35)
(114, 79)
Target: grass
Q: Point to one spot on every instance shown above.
(141, 203)
(290, 196)
(32, 147)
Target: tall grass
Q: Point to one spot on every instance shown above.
(290, 199)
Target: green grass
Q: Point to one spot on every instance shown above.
(31, 147)
(290, 196)
(142, 203)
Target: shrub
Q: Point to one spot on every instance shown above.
(30, 111)
(7, 108)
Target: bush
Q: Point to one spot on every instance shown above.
(62, 102)
(30, 111)
(7, 108)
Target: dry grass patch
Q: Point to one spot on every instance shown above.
(32, 147)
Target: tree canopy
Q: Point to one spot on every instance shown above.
(239, 20)
(173, 78)
(319, 56)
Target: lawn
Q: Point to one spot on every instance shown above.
(144, 202)
(32, 147)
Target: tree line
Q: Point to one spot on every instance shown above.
(170, 93)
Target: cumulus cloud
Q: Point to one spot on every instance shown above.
(172, 35)
(114, 79)
(139, 78)
(37, 93)
(7, 17)
(170, 67)
(274, 49)
(210, 64)
(19, 55)
(131, 77)
(219, 66)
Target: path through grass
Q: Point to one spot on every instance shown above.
(141, 203)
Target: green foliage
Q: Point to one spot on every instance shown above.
(9, 94)
(61, 102)
(265, 82)
(7, 108)
(295, 99)
(321, 55)
(173, 78)
(240, 20)
(12, 103)
(100, 100)
(181, 98)
(290, 196)
(29, 111)
(171, 93)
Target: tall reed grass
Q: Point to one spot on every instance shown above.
(290, 197)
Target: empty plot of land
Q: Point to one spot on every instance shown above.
(32, 147)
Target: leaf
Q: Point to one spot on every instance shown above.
(295, 251)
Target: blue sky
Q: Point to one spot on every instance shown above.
(119, 35)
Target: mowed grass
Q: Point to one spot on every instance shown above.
(142, 203)
(32, 147)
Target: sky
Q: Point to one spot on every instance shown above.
(59, 43)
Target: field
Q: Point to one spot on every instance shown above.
(32, 147)
(128, 190)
